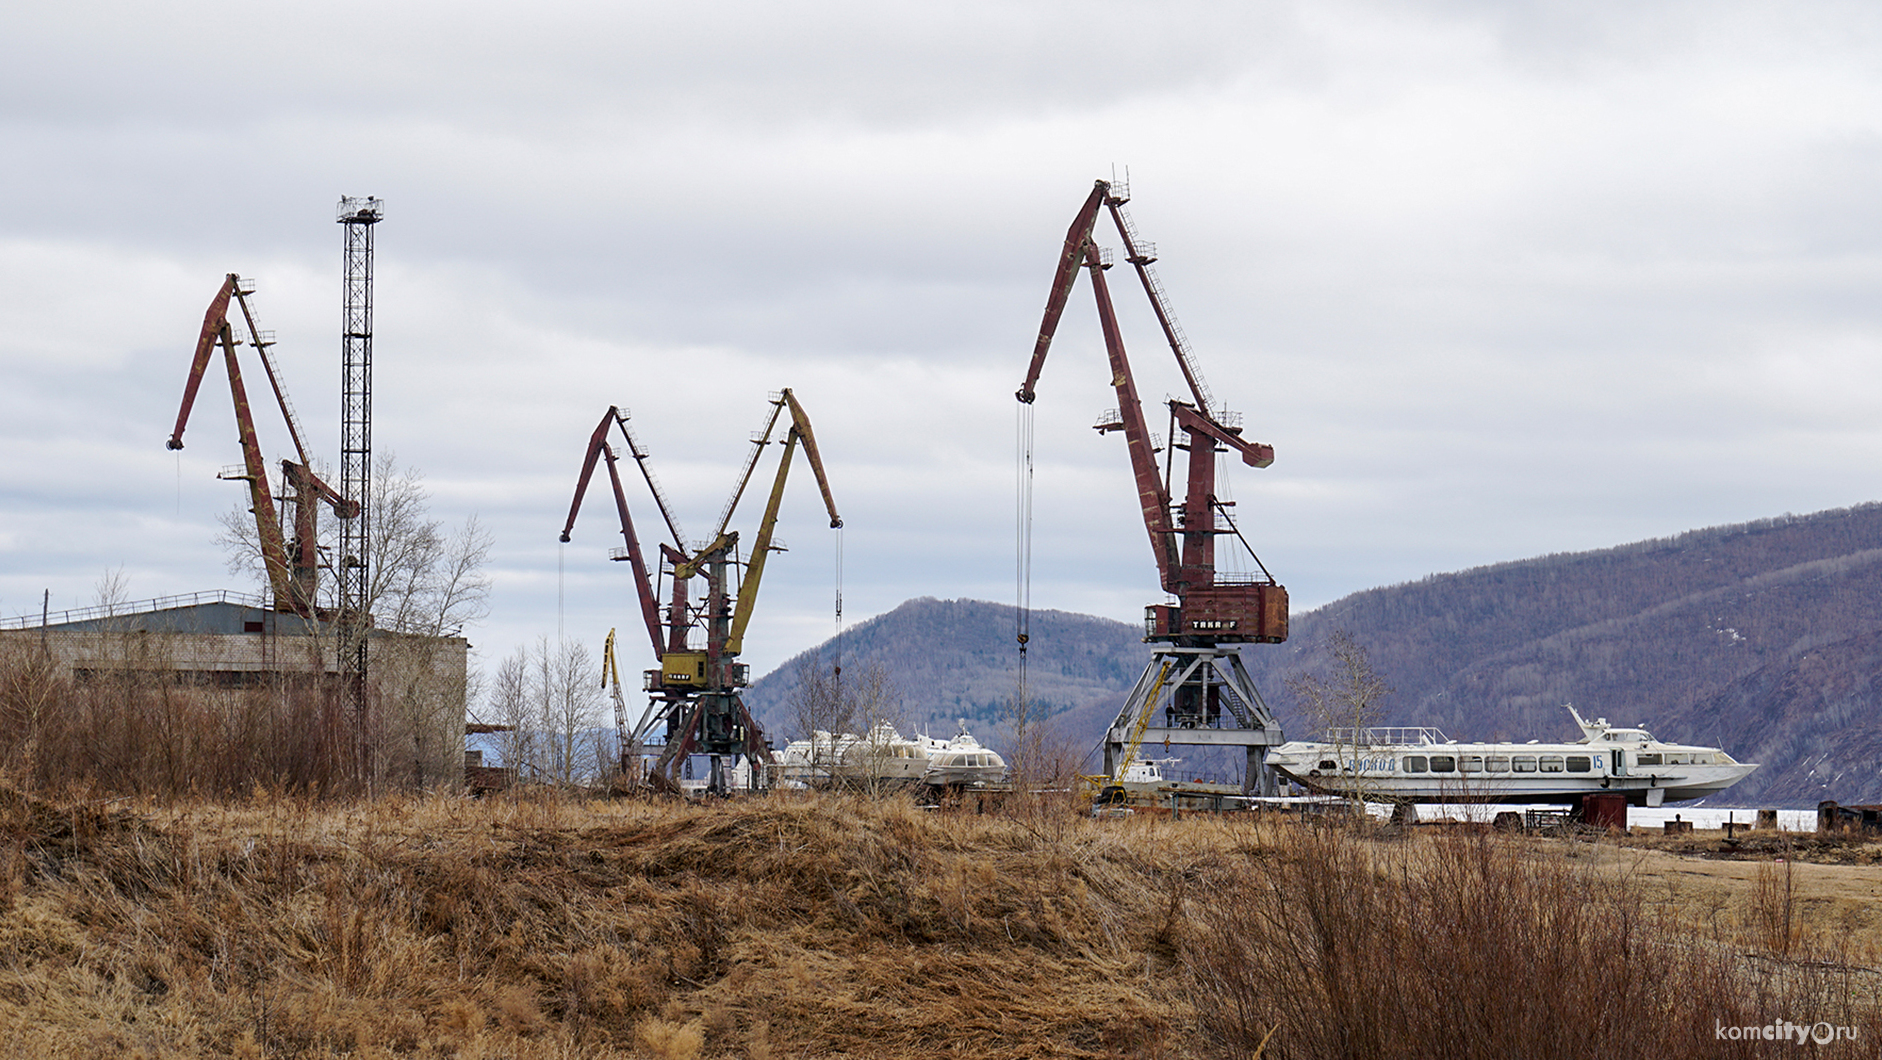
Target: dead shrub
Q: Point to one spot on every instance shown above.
(669, 1041)
(1468, 946)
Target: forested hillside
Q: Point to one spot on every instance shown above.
(1763, 638)
(1760, 638)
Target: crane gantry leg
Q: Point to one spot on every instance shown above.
(1207, 700)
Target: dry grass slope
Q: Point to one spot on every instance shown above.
(826, 926)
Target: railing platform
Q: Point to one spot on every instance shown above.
(161, 603)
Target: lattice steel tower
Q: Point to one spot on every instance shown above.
(358, 216)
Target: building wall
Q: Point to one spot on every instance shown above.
(417, 685)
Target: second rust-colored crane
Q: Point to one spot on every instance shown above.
(1195, 673)
(292, 566)
(598, 448)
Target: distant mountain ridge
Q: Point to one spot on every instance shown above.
(953, 659)
(1764, 638)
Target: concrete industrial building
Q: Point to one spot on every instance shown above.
(233, 641)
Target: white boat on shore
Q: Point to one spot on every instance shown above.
(962, 762)
(1418, 764)
(884, 756)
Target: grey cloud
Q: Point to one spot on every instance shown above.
(1495, 279)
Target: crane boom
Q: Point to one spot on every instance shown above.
(643, 580)
(800, 422)
(294, 579)
(758, 442)
(800, 433)
(267, 525)
(1153, 497)
(214, 320)
(1140, 257)
(1143, 720)
(611, 680)
(639, 453)
(1071, 257)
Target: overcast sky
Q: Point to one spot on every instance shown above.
(1494, 279)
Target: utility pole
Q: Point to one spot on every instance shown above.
(358, 216)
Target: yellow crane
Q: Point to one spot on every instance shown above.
(695, 688)
(715, 721)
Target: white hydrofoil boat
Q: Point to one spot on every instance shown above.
(1420, 765)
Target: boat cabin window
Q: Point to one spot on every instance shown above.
(1414, 763)
(1551, 763)
(1443, 764)
(1523, 763)
(1470, 764)
(1647, 760)
(1497, 764)
(1578, 764)
(1328, 763)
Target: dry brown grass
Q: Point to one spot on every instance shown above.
(136, 727)
(831, 926)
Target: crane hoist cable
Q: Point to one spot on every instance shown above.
(836, 639)
(1023, 545)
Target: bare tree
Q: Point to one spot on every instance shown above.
(818, 705)
(857, 711)
(1346, 701)
(1019, 717)
(550, 701)
(875, 703)
(571, 697)
(510, 705)
(425, 585)
(424, 581)
(111, 594)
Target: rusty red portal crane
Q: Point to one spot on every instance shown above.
(293, 565)
(1195, 674)
(694, 691)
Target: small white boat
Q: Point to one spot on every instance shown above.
(962, 761)
(1417, 764)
